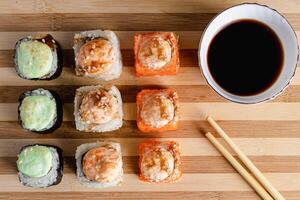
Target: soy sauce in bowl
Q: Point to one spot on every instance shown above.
(245, 58)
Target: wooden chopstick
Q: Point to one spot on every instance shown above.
(247, 162)
(243, 172)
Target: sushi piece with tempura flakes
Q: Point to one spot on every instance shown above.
(98, 108)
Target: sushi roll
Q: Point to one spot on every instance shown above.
(159, 162)
(40, 111)
(38, 57)
(157, 110)
(156, 53)
(97, 55)
(40, 166)
(99, 165)
(98, 108)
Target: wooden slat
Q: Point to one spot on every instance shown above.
(187, 129)
(189, 182)
(137, 195)
(113, 21)
(189, 146)
(186, 76)
(146, 195)
(179, 195)
(191, 164)
(119, 6)
(194, 111)
(187, 39)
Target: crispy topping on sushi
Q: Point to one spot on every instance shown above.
(40, 111)
(98, 106)
(38, 57)
(40, 166)
(156, 53)
(95, 56)
(101, 164)
(157, 110)
(159, 162)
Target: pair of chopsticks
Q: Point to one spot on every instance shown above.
(259, 182)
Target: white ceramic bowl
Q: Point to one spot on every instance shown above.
(276, 22)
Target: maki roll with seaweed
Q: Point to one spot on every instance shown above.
(38, 57)
(40, 111)
(99, 165)
(40, 166)
(97, 54)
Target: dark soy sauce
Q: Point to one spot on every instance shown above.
(245, 58)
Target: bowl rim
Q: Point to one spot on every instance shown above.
(249, 102)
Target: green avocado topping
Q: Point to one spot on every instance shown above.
(34, 59)
(35, 161)
(37, 112)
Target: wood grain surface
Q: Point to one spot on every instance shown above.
(269, 132)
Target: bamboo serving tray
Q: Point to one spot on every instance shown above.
(269, 132)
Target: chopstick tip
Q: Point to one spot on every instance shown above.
(207, 133)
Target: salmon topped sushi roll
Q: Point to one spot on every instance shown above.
(157, 110)
(159, 162)
(97, 55)
(99, 164)
(156, 53)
